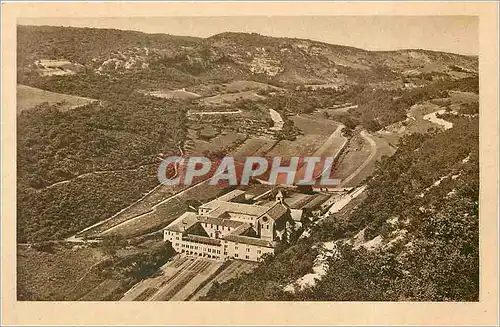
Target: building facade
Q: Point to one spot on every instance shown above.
(229, 227)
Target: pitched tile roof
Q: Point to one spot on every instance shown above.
(277, 211)
(231, 195)
(222, 222)
(201, 239)
(249, 240)
(183, 222)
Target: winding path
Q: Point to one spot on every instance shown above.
(202, 113)
(96, 172)
(278, 121)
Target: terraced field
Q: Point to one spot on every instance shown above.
(175, 281)
(235, 269)
(231, 97)
(314, 124)
(164, 212)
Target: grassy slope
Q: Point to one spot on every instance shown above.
(30, 97)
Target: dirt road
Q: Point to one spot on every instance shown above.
(214, 112)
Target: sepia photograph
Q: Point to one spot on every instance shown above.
(278, 158)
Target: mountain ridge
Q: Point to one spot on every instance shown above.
(281, 59)
(189, 37)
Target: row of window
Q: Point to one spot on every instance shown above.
(214, 251)
(236, 249)
(195, 247)
(210, 256)
(236, 255)
(200, 254)
(172, 233)
(246, 257)
(217, 227)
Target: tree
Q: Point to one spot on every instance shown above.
(111, 244)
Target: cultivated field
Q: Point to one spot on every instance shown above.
(233, 270)
(217, 143)
(238, 86)
(212, 89)
(165, 212)
(254, 146)
(379, 148)
(174, 94)
(314, 124)
(141, 207)
(463, 97)
(29, 97)
(226, 98)
(175, 281)
(338, 111)
(321, 137)
(304, 145)
(357, 151)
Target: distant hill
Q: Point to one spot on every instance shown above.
(230, 56)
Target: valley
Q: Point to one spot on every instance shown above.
(92, 135)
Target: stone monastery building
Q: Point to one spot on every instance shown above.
(229, 227)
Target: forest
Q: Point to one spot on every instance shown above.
(108, 150)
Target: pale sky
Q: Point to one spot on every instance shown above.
(457, 34)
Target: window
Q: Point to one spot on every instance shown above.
(267, 226)
(217, 227)
(259, 251)
(236, 255)
(236, 247)
(248, 249)
(176, 244)
(218, 251)
(247, 257)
